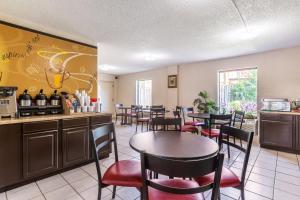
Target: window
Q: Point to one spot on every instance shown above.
(144, 92)
(238, 91)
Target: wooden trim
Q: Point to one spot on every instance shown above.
(46, 34)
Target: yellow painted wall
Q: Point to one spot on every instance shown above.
(35, 61)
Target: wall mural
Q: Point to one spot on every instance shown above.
(33, 60)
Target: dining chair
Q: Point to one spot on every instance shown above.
(118, 113)
(238, 118)
(126, 173)
(157, 112)
(141, 119)
(165, 124)
(175, 189)
(229, 178)
(186, 128)
(134, 112)
(179, 109)
(185, 112)
(215, 123)
(156, 106)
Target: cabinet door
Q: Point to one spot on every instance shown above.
(277, 133)
(40, 153)
(10, 154)
(75, 146)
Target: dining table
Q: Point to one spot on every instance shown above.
(174, 145)
(199, 115)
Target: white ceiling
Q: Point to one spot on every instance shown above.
(137, 35)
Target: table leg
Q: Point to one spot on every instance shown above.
(125, 117)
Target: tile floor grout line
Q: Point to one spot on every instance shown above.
(275, 176)
(258, 195)
(40, 189)
(73, 187)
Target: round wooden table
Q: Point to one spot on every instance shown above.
(199, 115)
(174, 145)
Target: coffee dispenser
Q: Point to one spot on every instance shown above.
(8, 102)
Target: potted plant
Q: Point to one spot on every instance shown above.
(204, 104)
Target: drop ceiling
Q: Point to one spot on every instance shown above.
(138, 35)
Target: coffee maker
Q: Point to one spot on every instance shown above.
(8, 102)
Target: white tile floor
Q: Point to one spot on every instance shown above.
(271, 175)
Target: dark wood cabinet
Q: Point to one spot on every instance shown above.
(10, 154)
(75, 145)
(31, 150)
(40, 151)
(277, 131)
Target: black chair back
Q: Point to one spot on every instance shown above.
(221, 120)
(238, 118)
(185, 111)
(243, 136)
(101, 138)
(180, 168)
(157, 112)
(176, 113)
(156, 106)
(179, 109)
(166, 123)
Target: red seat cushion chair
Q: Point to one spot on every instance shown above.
(228, 179)
(189, 128)
(211, 132)
(124, 173)
(155, 194)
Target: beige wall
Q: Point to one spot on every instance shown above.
(126, 86)
(278, 76)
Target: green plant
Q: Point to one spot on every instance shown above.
(204, 104)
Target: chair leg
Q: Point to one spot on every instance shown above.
(99, 193)
(142, 128)
(242, 193)
(228, 147)
(114, 191)
(136, 126)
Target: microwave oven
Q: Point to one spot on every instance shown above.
(281, 105)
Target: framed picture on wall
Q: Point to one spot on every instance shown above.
(172, 81)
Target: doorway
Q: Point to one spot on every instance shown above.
(106, 93)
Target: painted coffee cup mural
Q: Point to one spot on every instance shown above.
(32, 60)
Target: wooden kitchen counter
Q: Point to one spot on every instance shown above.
(49, 117)
(280, 113)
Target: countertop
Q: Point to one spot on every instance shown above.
(48, 117)
(281, 113)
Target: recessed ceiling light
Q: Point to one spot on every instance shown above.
(243, 34)
(150, 57)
